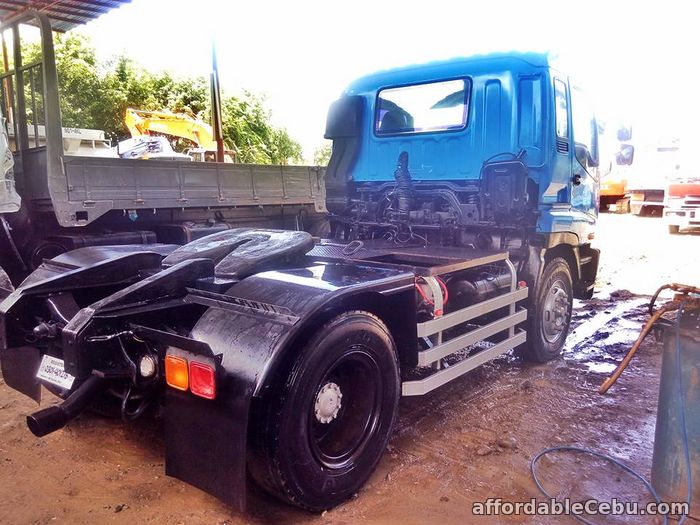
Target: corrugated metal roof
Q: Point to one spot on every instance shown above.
(64, 14)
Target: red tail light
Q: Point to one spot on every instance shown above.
(202, 380)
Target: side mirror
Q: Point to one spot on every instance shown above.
(624, 133)
(584, 157)
(625, 156)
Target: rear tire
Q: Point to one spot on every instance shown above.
(673, 229)
(320, 435)
(549, 313)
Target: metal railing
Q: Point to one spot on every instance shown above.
(32, 88)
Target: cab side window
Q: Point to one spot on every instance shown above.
(584, 123)
(423, 108)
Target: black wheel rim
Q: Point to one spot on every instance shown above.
(338, 442)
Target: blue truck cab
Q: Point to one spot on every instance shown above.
(498, 151)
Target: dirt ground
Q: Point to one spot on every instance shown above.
(466, 442)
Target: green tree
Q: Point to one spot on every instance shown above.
(322, 154)
(77, 65)
(285, 150)
(96, 95)
(246, 124)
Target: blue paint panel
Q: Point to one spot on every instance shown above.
(511, 107)
(492, 123)
(451, 155)
(530, 118)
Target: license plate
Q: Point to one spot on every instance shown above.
(52, 370)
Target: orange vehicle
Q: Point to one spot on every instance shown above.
(613, 188)
(613, 181)
(141, 122)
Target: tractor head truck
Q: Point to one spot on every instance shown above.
(462, 201)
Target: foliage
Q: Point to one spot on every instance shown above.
(246, 123)
(322, 154)
(96, 95)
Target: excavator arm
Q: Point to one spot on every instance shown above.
(142, 122)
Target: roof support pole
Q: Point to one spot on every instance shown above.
(216, 106)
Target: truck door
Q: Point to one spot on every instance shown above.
(584, 180)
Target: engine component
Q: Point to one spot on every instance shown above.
(504, 192)
(433, 295)
(404, 186)
(468, 291)
(46, 330)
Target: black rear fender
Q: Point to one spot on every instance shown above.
(255, 329)
(267, 315)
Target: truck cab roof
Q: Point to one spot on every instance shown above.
(454, 67)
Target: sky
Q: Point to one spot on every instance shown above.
(635, 59)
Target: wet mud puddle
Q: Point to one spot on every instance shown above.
(603, 330)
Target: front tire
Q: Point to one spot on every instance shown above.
(321, 434)
(550, 313)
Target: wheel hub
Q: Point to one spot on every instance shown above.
(556, 309)
(328, 403)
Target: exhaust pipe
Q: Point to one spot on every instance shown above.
(55, 417)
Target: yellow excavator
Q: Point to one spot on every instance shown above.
(146, 123)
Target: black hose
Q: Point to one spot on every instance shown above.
(684, 431)
(656, 296)
(404, 186)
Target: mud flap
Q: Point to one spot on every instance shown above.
(205, 441)
(19, 366)
(589, 258)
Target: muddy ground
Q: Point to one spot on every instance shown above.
(469, 441)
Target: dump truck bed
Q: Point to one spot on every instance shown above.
(84, 188)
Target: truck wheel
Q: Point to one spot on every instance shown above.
(550, 313)
(320, 436)
(674, 229)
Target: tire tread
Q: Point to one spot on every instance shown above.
(272, 477)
